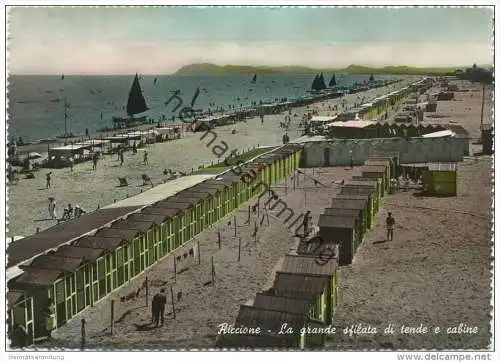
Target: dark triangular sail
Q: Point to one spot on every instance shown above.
(254, 79)
(333, 82)
(321, 82)
(372, 78)
(136, 103)
(314, 85)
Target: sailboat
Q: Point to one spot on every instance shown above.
(66, 133)
(333, 82)
(318, 83)
(136, 104)
(254, 79)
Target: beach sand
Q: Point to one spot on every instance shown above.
(202, 308)
(436, 272)
(28, 199)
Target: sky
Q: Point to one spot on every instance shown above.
(160, 40)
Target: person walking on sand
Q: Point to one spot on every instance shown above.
(121, 157)
(95, 158)
(155, 309)
(48, 177)
(162, 301)
(146, 158)
(52, 208)
(389, 222)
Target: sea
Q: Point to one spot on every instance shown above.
(36, 102)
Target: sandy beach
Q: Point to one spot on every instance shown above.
(203, 307)
(28, 200)
(436, 272)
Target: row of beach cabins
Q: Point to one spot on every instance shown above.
(305, 293)
(78, 263)
(369, 111)
(210, 121)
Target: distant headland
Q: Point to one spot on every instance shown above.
(209, 68)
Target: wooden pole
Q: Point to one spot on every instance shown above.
(147, 290)
(199, 252)
(213, 271)
(482, 104)
(175, 269)
(83, 334)
(239, 249)
(172, 298)
(255, 228)
(218, 237)
(112, 315)
(91, 293)
(234, 220)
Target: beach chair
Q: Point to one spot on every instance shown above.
(123, 181)
(146, 179)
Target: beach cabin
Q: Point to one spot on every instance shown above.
(440, 179)
(383, 161)
(186, 219)
(208, 199)
(377, 172)
(360, 225)
(343, 230)
(222, 189)
(318, 287)
(117, 248)
(355, 202)
(171, 235)
(393, 157)
(375, 185)
(157, 235)
(308, 265)
(363, 191)
(193, 207)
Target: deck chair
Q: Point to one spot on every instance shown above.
(146, 179)
(123, 181)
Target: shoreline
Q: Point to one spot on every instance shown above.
(40, 146)
(27, 200)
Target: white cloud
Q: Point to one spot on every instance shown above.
(167, 57)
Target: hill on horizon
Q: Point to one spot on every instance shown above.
(209, 68)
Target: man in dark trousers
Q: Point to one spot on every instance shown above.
(389, 222)
(158, 307)
(155, 309)
(162, 303)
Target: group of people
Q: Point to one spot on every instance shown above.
(68, 213)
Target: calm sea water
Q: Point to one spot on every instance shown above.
(36, 103)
